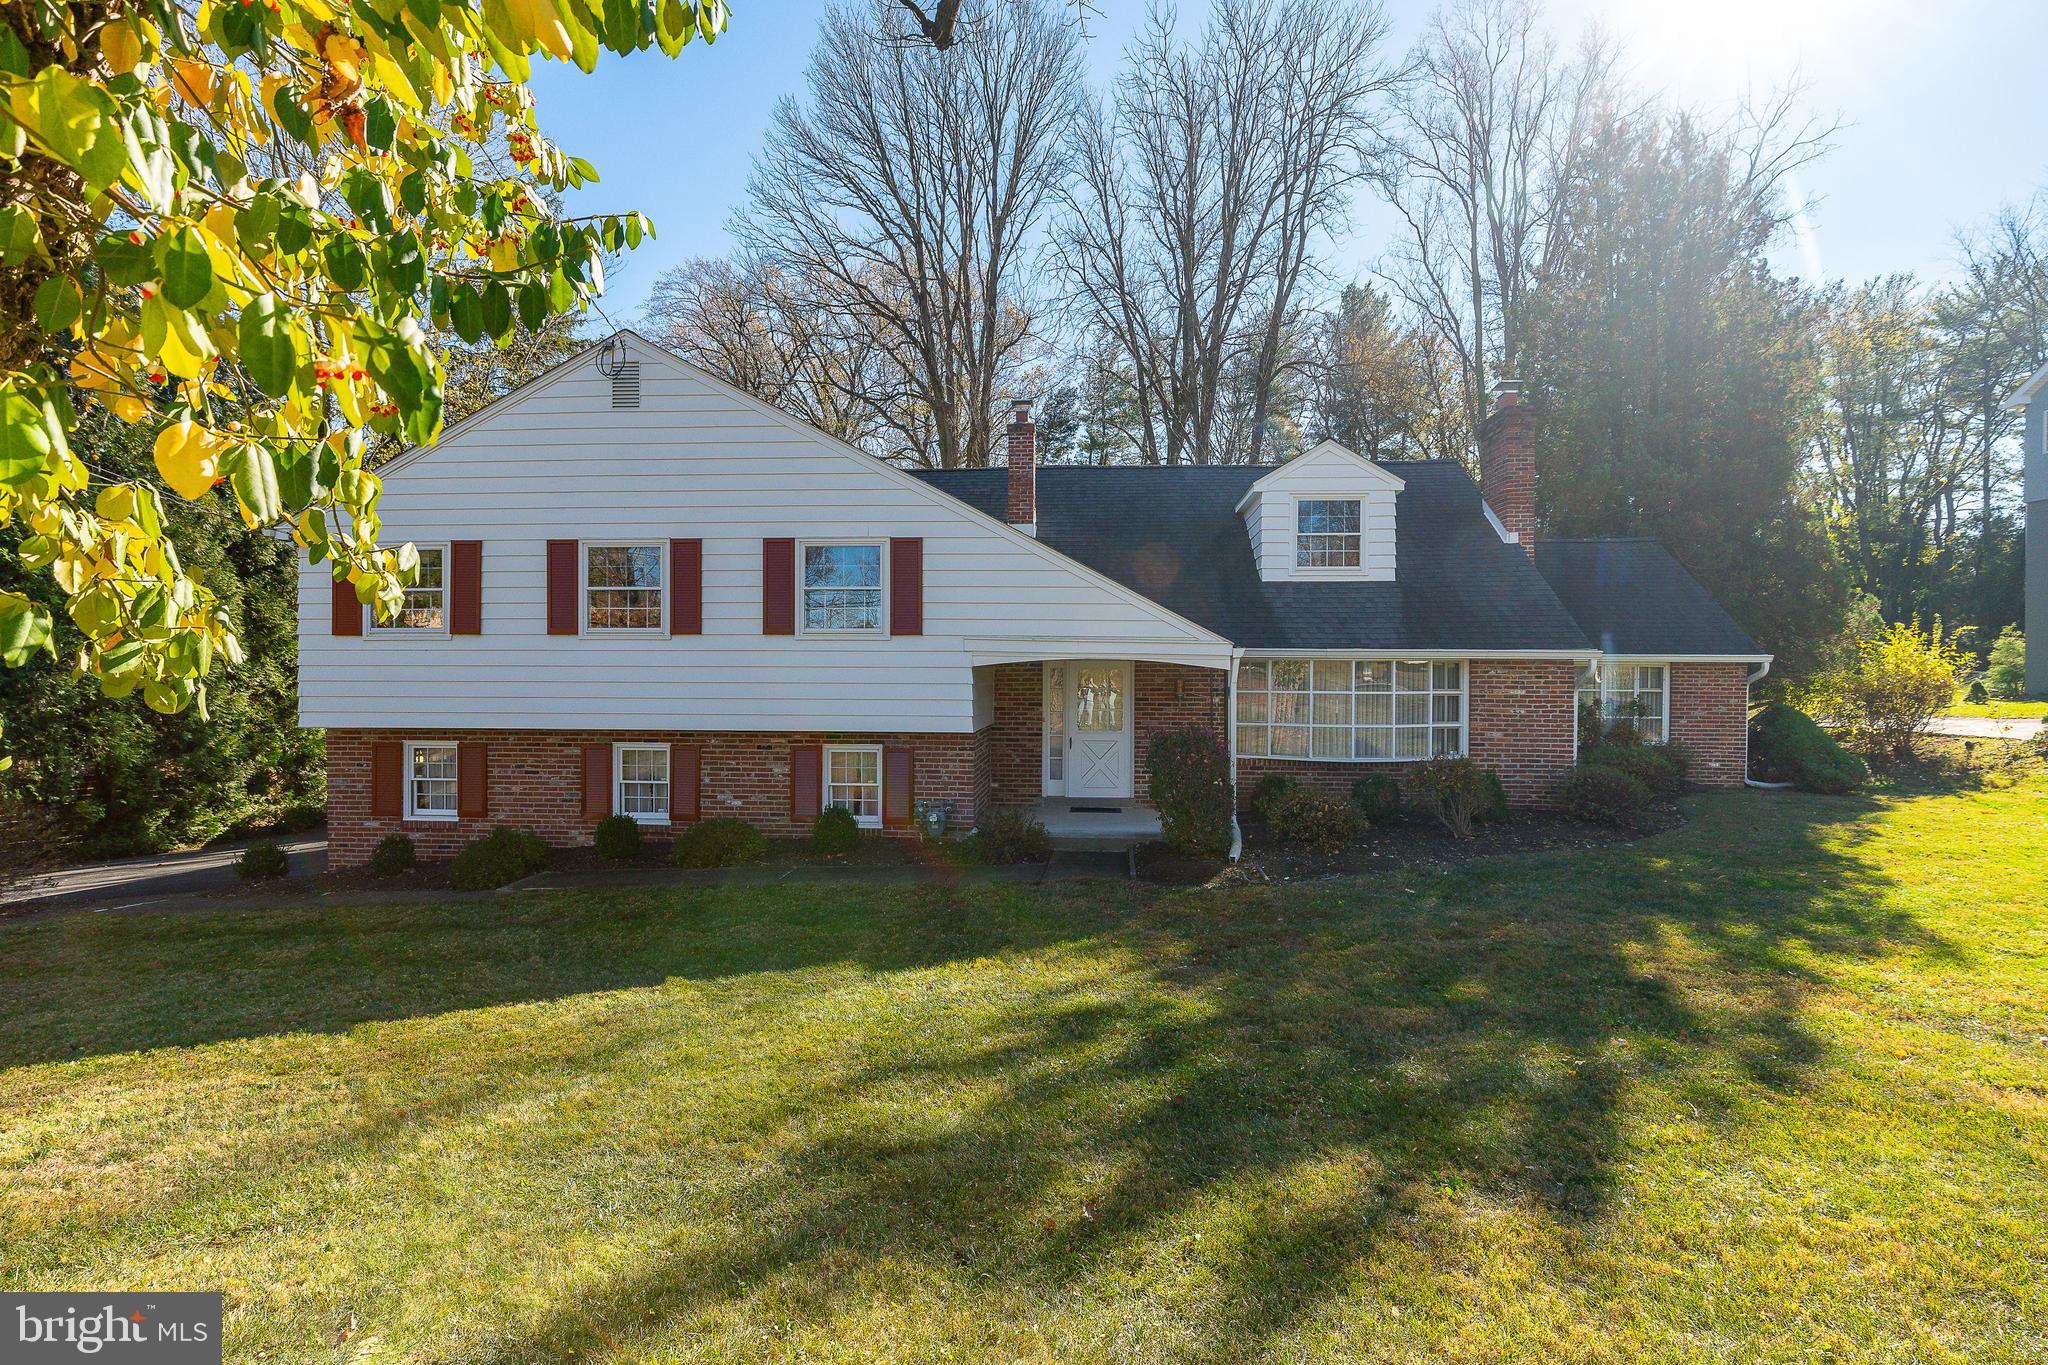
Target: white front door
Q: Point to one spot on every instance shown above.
(1098, 715)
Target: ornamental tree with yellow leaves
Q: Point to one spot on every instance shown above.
(230, 222)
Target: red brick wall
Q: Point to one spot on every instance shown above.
(536, 783)
(1163, 697)
(1016, 767)
(1521, 726)
(1175, 697)
(1710, 716)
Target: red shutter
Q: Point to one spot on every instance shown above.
(563, 589)
(906, 587)
(806, 782)
(348, 609)
(466, 587)
(778, 587)
(685, 767)
(387, 779)
(472, 781)
(899, 783)
(686, 587)
(597, 779)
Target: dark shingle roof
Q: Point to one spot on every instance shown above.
(1632, 597)
(1173, 534)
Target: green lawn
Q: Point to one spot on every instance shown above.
(1999, 710)
(1773, 1087)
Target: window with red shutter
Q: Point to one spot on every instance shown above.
(597, 779)
(387, 779)
(685, 777)
(906, 586)
(472, 780)
(348, 609)
(565, 591)
(778, 587)
(899, 783)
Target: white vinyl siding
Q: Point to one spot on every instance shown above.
(1351, 710)
(640, 782)
(1312, 485)
(556, 461)
(853, 779)
(432, 788)
(1618, 690)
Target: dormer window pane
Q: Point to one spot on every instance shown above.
(1326, 533)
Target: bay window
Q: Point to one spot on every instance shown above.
(1371, 710)
(1615, 695)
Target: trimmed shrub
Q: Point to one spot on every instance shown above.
(2006, 671)
(1663, 773)
(261, 863)
(393, 854)
(1457, 791)
(1976, 695)
(1317, 822)
(1011, 836)
(1271, 792)
(498, 859)
(719, 843)
(1604, 795)
(836, 834)
(1494, 809)
(1786, 746)
(1191, 791)
(1378, 798)
(617, 839)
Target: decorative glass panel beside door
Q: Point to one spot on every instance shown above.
(1056, 724)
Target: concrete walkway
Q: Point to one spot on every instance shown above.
(1973, 727)
(129, 883)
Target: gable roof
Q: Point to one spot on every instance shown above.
(1326, 453)
(1632, 597)
(2027, 392)
(1173, 534)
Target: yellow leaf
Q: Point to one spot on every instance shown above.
(188, 457)
(193, 81)
(121, 46)
(129, 408)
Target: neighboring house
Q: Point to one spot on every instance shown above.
(645, 592)
(2032, 399)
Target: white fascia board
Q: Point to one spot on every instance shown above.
(982, 652)
(1323, 452)
(1570, 655)
(2027, 392)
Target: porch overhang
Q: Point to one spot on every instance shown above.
(1015, 650)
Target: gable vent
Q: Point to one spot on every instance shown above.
(626, 385)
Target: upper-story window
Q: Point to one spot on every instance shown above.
(623, 587)
(842, 587)
(1326, 533)
(426, 599)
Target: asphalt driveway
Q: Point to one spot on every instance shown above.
(129, 883)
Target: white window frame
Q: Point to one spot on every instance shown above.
(1351, 661)
(660, 548)
(825, 801)
(619, 751)
(881, 626)
(1599, 667)
(393, 627)
(412, 810)
(1352, 570)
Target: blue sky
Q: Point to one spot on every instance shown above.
(1944, 106)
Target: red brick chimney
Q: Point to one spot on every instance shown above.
(1507, 462)
(1023, 459)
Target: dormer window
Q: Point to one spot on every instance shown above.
(1326, 533)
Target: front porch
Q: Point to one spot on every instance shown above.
(1080, 825)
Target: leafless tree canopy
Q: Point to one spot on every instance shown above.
(903, 190)
(1203, 184)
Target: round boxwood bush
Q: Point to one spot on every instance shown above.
(719, 843)
(1191, 791)
(1320, 823)
(836, 834)
(1604, 795)
(262, 862)
(1378, 798)
(498, 859)
(393, 854)
(1785, 745)
(1662, 772)
(1012, 836)
(617, 839)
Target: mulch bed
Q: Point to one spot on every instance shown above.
(1417, 842)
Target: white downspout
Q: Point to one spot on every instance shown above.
(1230, 728)
(1747, 780)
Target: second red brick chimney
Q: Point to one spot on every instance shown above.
(1507, 462)
(1022, 453)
